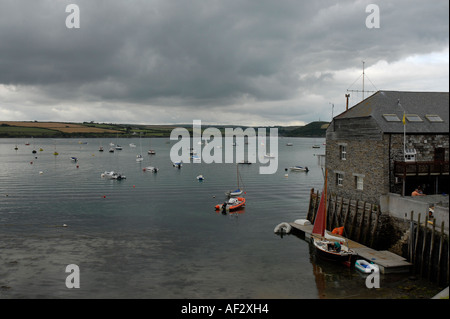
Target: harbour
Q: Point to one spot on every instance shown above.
(158, 235)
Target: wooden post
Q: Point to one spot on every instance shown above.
(422, 261)
(416, 245)
(411, 237)
(354, 218)
(441, 243)
(346, 217)
(361, 222)
(311, 198)
(369, 221)
(375, 227)
(430, 260)
(340, 212)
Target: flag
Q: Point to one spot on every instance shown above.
(404, 118)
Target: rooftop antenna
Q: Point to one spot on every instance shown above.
(363, 78)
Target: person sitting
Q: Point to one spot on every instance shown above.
(416, 192)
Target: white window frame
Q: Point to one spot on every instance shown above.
(339, 179)
(343, 152)
(359, 182)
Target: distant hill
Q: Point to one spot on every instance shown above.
(91, 129)
(313, 129)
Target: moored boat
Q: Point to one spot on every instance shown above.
(113, 175)
(231, 204)
(365, 267)
(299, 168)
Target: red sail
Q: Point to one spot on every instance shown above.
(320, 221)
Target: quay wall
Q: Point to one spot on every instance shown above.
(397, 224)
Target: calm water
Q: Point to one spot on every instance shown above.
(158, 235)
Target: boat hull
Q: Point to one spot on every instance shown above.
(231, 205)
(322, 249)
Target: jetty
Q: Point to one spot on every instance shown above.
(387, 261)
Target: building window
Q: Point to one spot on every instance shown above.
(339, 179)
(433, 118)
(359, 182)
(391, 118)
(413, 118)
(343, 152)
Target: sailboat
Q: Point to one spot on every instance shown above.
(328, 247)
(238, 191)
(139, 157)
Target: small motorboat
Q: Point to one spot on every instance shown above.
(151, 169)
(299, 168)
(177, 164)
(151, 152)
(132, 145)
(200, 177)
(231, 204)
(100, 149)
(139, 158)
(365, 267)
(113, 175)
(74, 159)
(118, 147)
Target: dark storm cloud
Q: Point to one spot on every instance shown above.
(212, 53)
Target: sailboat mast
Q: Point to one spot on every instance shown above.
(325, 201)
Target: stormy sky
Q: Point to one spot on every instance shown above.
(239, 62)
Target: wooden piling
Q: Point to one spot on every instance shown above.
(441, 244)
(430, 257)
(422, 260)
(361, 222)
(416, 244)
(375, 227)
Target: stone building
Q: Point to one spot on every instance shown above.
(391, 142)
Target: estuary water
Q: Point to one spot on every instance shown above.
(158, 235)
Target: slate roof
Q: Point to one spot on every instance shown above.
(397, 102)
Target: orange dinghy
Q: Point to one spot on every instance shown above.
(231, 204)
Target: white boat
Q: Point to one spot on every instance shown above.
(282, 228)
(200, 177)
(118, 147)
(177, 164)
(111, 150)
(365, 266)
(151, 152)
(238, 191)
(74, 159)
(299, 168)
(150, 169)
(289, 144)
(113, 175)
(132, 145)
(100, 149)
(139, 157)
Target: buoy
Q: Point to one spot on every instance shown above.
(31, 162)
(78, 166)
(104, 196)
